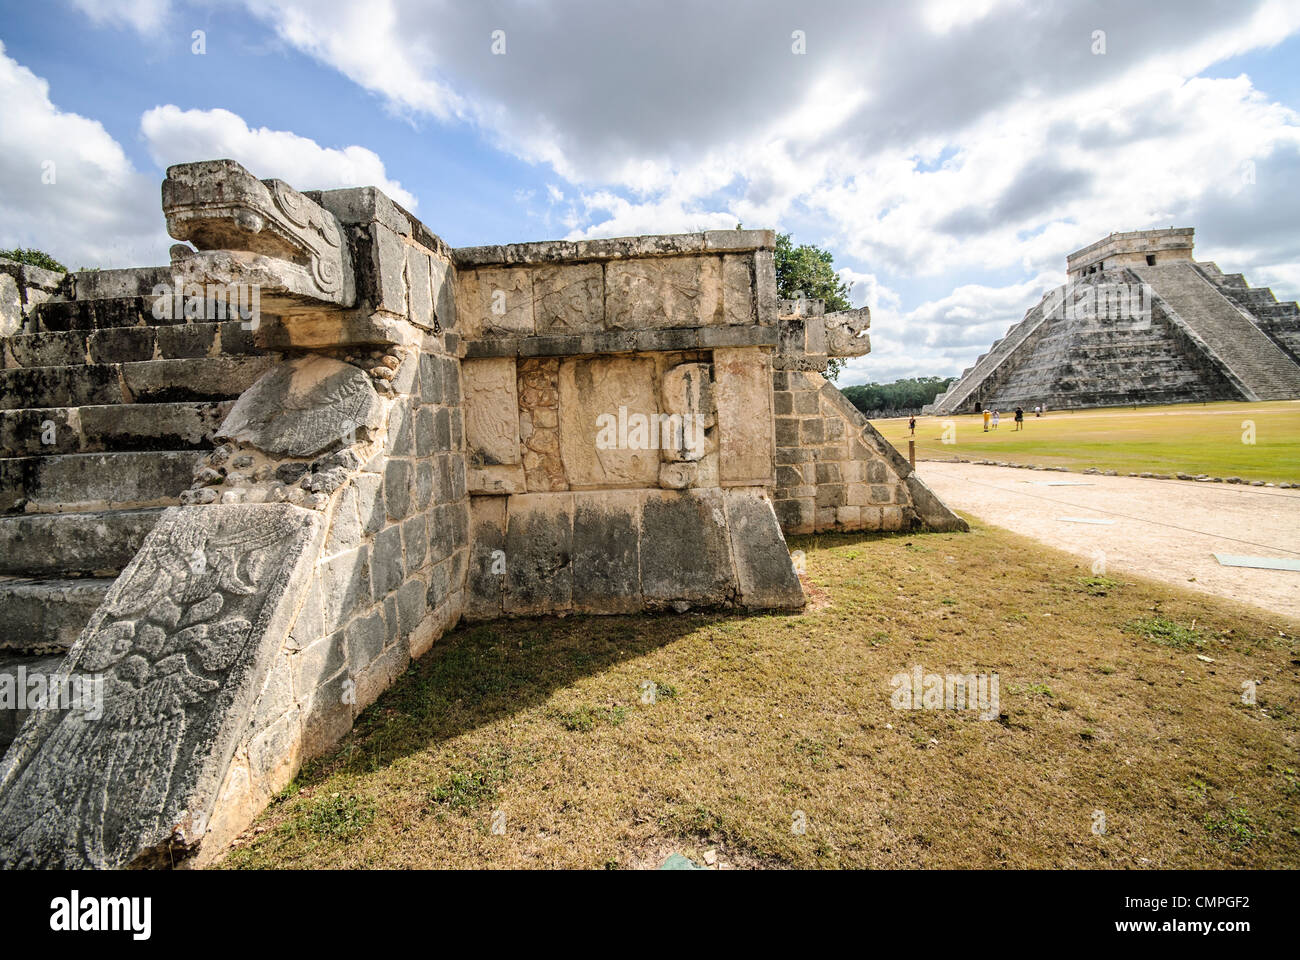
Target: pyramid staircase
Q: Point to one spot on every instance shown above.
(1091, 363)
(990, 366)
(1280, 322)
(1260, 366)
(1211, 337)
(105, 413)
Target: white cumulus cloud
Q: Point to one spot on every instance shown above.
(177, 136)
(927, 143)
(66, 186)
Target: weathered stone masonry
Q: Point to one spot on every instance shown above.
(559, 335)
(259, 528)
(834, 471)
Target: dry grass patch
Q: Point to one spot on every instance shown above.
(1119, 696)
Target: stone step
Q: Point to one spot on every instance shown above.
(45, 617)
(115, 284)
(1280, 322)
(92, 314)
(152, 381)
(1260, 296)
(95, 481)
(98, 543)
(1271, 311)
(61, 386)
(61, 348)
(124, 311)
(1260, 366)
(43, 431)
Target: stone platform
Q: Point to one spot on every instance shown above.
(237, 529)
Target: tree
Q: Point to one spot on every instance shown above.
(35, 258)
(909, 394)
(808, 269)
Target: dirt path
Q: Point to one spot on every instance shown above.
(1165, 529)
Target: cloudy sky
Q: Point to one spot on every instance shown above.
(949, 152)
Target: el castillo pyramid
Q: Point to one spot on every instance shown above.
(1140, 321)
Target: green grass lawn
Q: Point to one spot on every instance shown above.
(1187, 438)
(1118, 696)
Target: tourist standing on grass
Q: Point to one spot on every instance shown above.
(995, 419)
(987, 415)
(911, 425)
(1020, 418)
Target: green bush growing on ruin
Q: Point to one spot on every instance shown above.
(34, 258)
(808, 269)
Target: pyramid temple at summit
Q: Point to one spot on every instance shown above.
(1139, 321)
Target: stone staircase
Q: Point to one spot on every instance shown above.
(1110, 362)
(1258, 364)
(105, 413)
(989, 366)
(1280, 321)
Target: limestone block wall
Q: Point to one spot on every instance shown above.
(1131, 249)
(390, 578)
(609, 484)
(621, 551)
(619, 424)
(386, 584)
(22, 287)
(533, 424)
(322, 544)
(808, 336)
(406, 281)
(678, 292)
(834, 471)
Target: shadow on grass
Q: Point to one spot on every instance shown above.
(480, 673)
